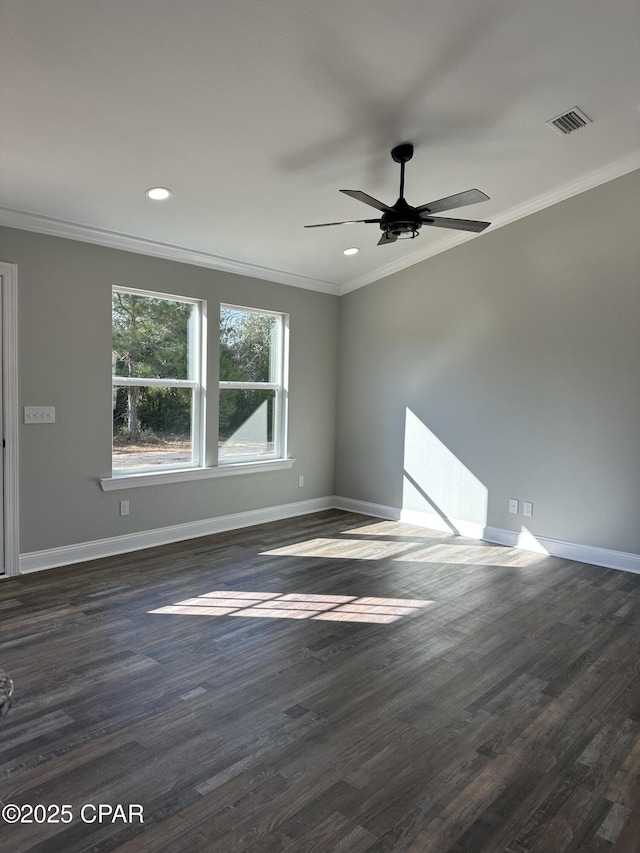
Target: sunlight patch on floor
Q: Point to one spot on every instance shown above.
(342, 549)
(414, 550)
(468, 555)
(274, 605)
(393, 530)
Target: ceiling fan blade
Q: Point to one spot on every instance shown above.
(451, 201)
(458, 224)
(367, 199)
(387, 237)
(346, 222)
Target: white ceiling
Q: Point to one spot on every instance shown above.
(256, 113)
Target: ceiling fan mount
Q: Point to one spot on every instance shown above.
(402, 221)
(402, 153)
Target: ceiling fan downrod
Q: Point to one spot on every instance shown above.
(403, 224)
(402, 154)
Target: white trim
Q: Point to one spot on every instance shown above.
(591, 554)
(149, 382)
(181, 475)
(246, 309)
(9, 279)
(196, 369)
(250, 386)
(455, 526)
(366, 508)
(140, 245)
(607, 558)
(68, 554)
(278, 378)
(158, 294)
(588, 182)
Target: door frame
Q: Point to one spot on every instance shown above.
(10, 420)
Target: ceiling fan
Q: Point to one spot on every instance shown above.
(402, 221)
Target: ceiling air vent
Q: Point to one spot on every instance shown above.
(573, 119)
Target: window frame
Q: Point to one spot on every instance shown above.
(132, 478)
(197, 355)
(280, 367)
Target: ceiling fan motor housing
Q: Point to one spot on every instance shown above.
(402, 221)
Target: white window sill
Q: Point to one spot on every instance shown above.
(155, 478)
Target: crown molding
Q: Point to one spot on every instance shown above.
(128, 243)
(168, 251)
(587, 182)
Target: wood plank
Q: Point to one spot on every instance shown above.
(502, 715)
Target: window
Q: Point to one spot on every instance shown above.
(157, 366)
(158, 396)
(252, 397)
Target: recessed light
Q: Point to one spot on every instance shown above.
(352, 251)
(158, 193)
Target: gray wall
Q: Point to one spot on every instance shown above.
(64, 305)
(508, 367)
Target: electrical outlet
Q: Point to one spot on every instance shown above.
(527, 508)
(124, 507)
(301, 481)
(513, 506)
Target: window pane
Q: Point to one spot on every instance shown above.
(246, 424)
(151, 336)
(248, 346)
(152, 426)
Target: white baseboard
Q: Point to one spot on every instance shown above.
(431, 520)
(36, 561)
(366, 508)
(591, 554)
(68, 554)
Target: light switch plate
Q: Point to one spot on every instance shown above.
(39, 414)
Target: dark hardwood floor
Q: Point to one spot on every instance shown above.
(332, 683)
